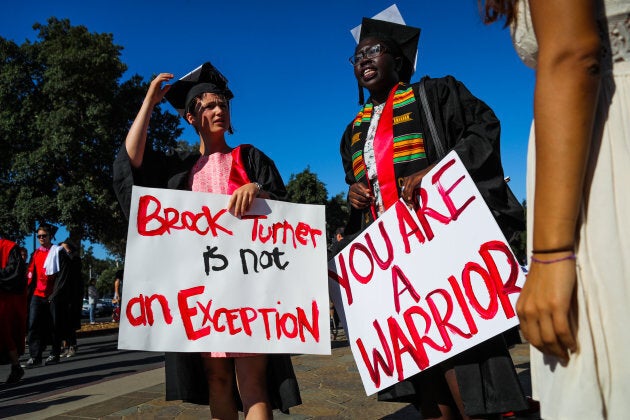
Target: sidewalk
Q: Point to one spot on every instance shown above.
(330, 386)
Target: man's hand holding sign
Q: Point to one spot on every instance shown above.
(419, 286)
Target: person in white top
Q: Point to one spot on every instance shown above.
(575, 301)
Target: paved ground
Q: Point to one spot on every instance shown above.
(330, 388)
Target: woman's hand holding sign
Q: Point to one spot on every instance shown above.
(411, 183)
(360, 196)
(242, 198)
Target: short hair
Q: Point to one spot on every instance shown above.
(48, 228)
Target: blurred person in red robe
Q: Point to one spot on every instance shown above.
(12, 307)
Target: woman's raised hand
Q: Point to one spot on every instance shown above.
(137, 135)
(156, 91)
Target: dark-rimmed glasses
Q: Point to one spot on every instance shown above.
(42, 236)
(369, 52)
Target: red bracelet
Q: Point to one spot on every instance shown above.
(568, 257)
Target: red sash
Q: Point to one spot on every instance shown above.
(238, 175)
(384, 153)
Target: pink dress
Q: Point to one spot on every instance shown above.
(211, 174)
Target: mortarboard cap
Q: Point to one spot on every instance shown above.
(204, 79)
(71, 243)
(391, 14)
(405, 36)
(390, 22)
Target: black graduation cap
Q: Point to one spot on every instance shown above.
(204, 79)
(406, 37)
(71, 243)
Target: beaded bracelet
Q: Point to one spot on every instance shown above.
(567, 257)
(551, 251)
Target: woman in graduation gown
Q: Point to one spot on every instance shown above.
(244, 172)
(386, 150)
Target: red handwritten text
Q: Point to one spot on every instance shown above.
(150, 213)
(284, 232)
(425, 321)
(203, 317)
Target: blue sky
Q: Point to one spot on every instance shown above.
(287, 64)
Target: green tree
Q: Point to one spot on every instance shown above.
(306, 188)
(185, 146)
(64, 115)
(337, 213)
(101, 270)
(105, 280)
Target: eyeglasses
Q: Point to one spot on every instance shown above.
(42, 236)
(369, 52)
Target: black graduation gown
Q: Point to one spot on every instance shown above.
(185, 377)
(487, 379)
(465, 124)
(69, 289)
(170, 170)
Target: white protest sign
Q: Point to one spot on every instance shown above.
(197, 278)
(418, 287)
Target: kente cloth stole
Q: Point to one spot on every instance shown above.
(238, 175)
(398, 140)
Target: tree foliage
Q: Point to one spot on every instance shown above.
(337, 213)
(105, 281)
(65, 113)
(306, 188)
